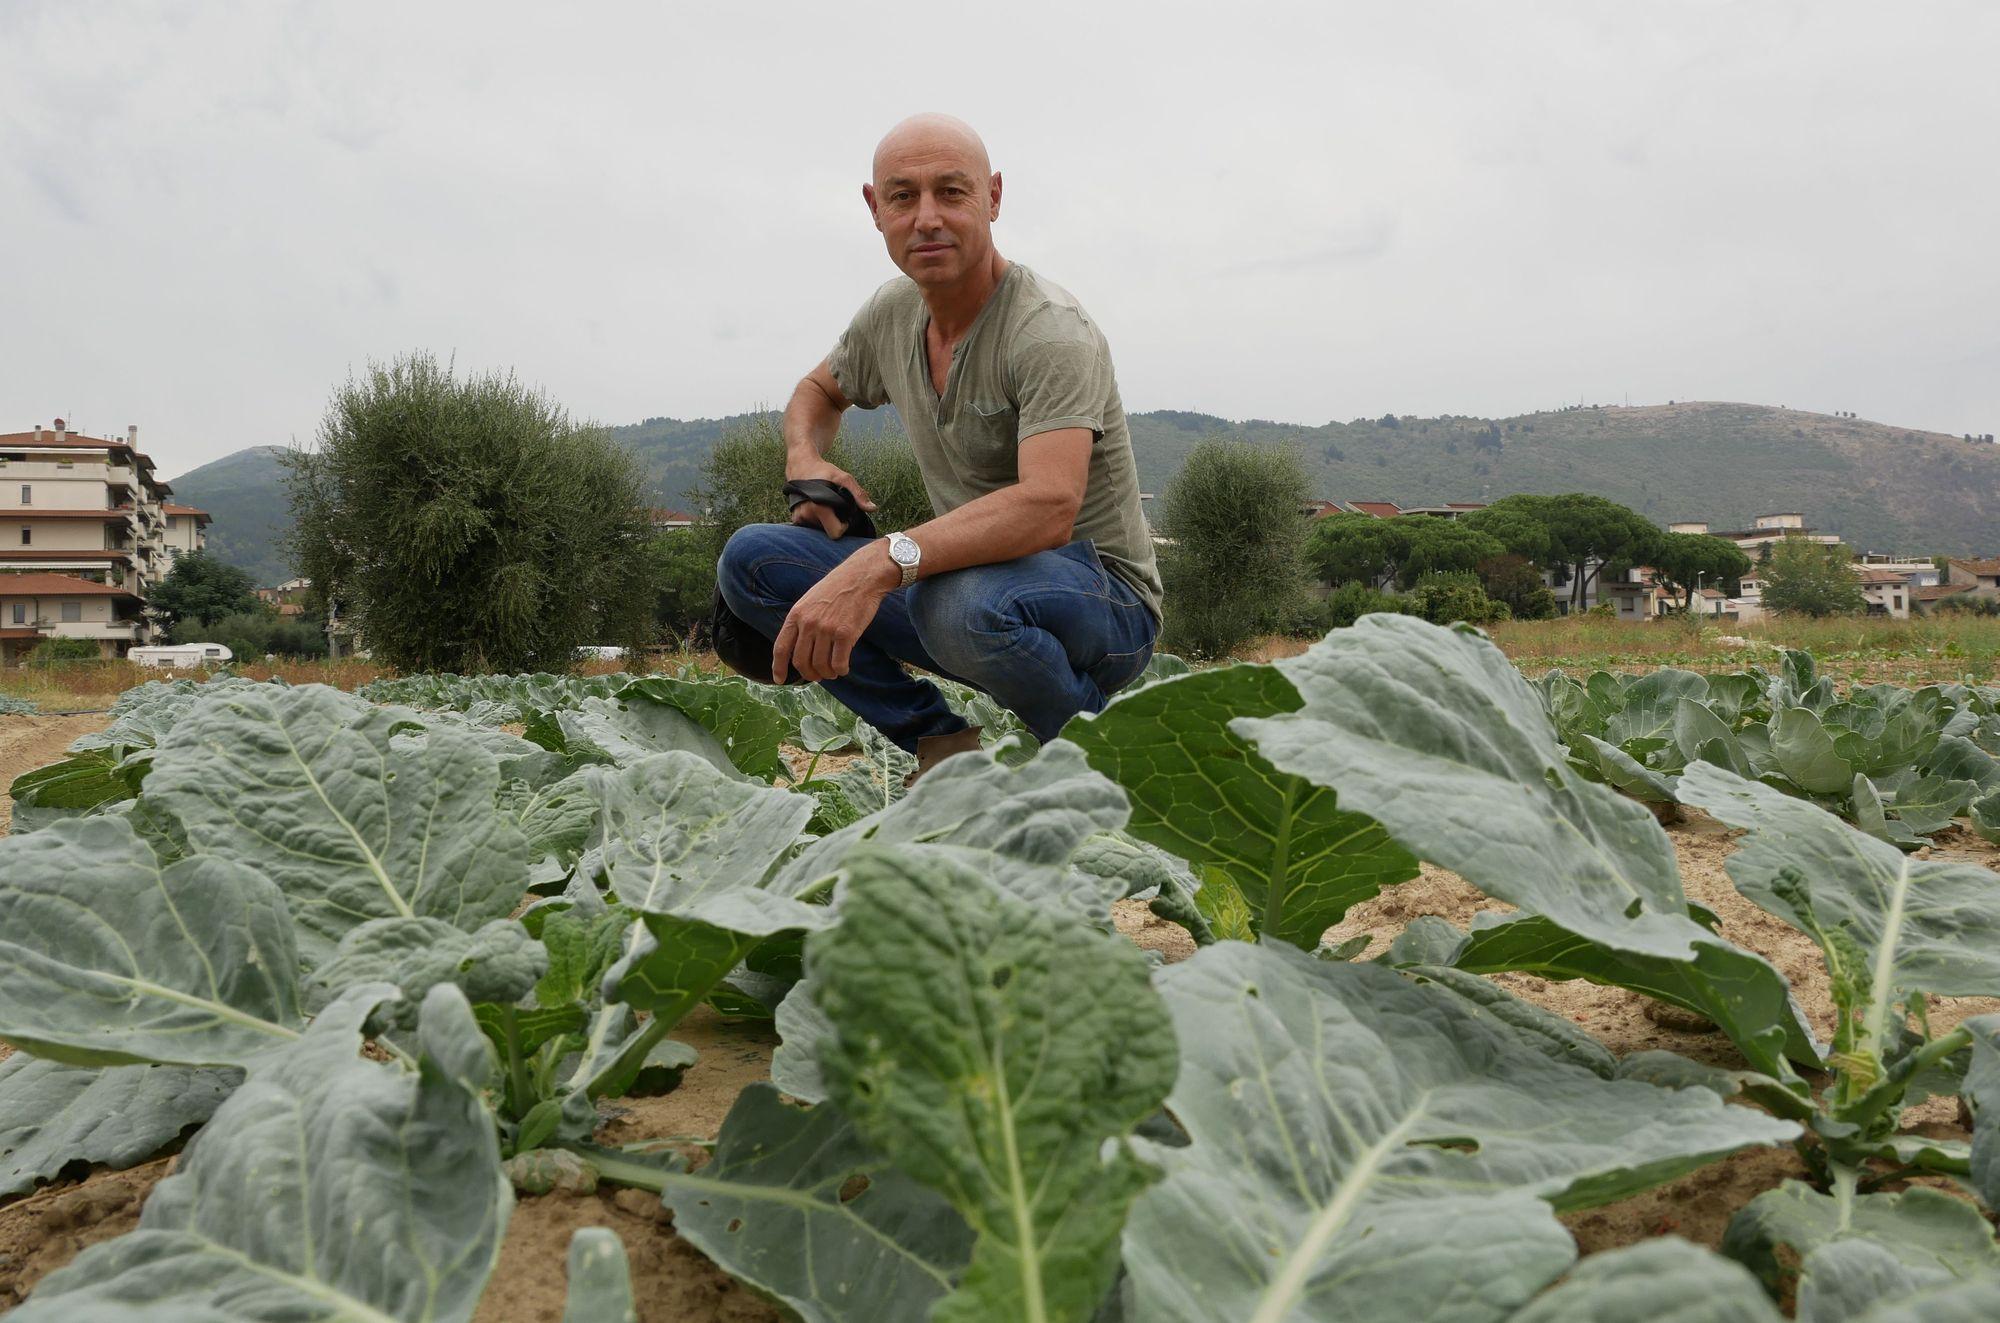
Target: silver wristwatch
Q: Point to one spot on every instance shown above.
(903, 551)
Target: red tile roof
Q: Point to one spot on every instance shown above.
(1989, 566)
(1932, 592)
(203, 515)
(58, 585)
(78, 441)
(1380, 509)
(1883, 576)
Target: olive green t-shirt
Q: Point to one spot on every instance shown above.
(1033, 362)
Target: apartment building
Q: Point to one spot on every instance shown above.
(84, 535)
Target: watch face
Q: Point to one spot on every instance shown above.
(903, 551)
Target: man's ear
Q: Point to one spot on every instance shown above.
(993, 211)
(868, 196)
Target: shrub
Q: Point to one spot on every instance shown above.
(254, 635)
(1234, 565)
(1351, 601)
(1445, 599)
(57, 651)
(1514, 582)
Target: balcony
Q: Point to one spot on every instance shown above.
(88, 629)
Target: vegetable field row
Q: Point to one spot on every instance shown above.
(987, 1105)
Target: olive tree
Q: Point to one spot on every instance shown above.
(466, 523)
(1233, 566)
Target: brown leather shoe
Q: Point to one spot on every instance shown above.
(934, 749)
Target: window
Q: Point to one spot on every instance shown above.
(72, 613)
(20, 613)
(27, 537)
(27, 493)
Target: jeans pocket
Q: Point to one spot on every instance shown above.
(1120, 669)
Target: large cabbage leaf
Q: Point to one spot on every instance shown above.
(107, 958)
(999, 1054)
(1654, 1281)
(311, 787)
(52, 1114)
(328, 1187)
(1204, 793)
(689, 849)
(1434, 733)
(796, 1203)
(1916, 925)
(1037, 813)
(1368, 1146)
(1929, 1232)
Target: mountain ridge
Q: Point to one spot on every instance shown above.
(1880, 487)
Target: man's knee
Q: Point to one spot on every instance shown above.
(962, 620)
(748, 550)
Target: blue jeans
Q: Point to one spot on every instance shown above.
(1048, 636)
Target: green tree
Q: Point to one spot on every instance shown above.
(1517, 524)
(1686, 561)
(1583, 533)
(1812, 579)
(199, 588)
(251, 635)
(683, 579)
(1443, 546)
(743, 479)
(1234, 562)
(1358, 548)
(1355, 548)
(466, 524)
(1514, 582)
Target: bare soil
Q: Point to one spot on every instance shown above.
(674, 1282)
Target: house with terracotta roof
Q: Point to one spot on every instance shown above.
(1966, 579)
(186, 529)
(1886, 592)
(84, 536)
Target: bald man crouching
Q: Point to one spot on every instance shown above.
(1036, 581)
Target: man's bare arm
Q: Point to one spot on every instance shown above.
(1037, 513)
(812, 420)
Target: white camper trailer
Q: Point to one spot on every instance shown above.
(185, 655)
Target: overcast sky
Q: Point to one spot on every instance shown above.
(210, 211)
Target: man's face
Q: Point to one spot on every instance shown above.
(935, 209)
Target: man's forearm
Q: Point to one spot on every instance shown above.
(811, 423)
(1000, 526)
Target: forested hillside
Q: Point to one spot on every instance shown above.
(1882, 488)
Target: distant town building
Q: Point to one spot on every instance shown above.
(84, 536)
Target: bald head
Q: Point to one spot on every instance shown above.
(935, 198)
(931, 138)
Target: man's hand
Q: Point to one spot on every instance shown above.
(811, 514)
(818, 636)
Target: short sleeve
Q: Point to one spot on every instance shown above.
(1062, 373)
(856, 361)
